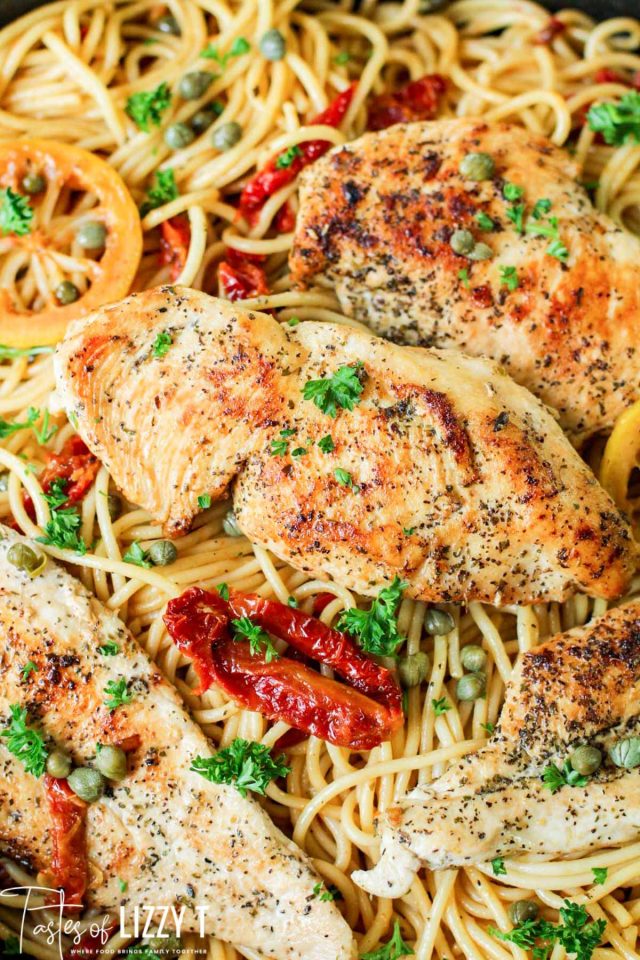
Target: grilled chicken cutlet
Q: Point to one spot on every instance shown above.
(579, 688)
(163, 835)
(350, 457)
(557, 301)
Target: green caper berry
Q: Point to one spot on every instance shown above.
(462, 241)
(522, 910)
(473, 658)
(58, 764)
(586, 760)
(168, 24)
(226, 136)
(114, 506)
(413, 669)
(178, 135)
(66, 292)
(626, 753)
(477, 166)
(273, 45)
(91, 234)
(33, 183)
(438, 622)
(162, 553)
(203, 119)
(165, 946)
(86, 783)
(4, 480)
(471, 686)
(193, 85)
(230, 525)
(481, 251)
(112, 762)
(23, 557)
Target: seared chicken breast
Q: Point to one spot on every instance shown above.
(558, 301)
(163, 835)
(444, 472)
(580, 687)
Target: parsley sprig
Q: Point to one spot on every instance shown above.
(440, 706)
(342, 389)
(16, 213)
(376, 629)
(243, 764)
(286, 159)
(63, 527)
(554, 777)
(24, 742)
(163, 190)
(617, 122)
(393, 949)
(137, 555)
(162, 344)
(117, 694)
(575, 933)
(498, 867)
(239, 46)
(147, 106)
(245, 629)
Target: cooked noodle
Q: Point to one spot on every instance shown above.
(66, 71)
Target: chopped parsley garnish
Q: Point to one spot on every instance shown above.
(511, 191)
(554, 778)
(617, 122)
(345, 479)
(408, 531)
(16, 213)
(376, 629)
(558, 250)
(11, 946)
(326, 893)
(498, 867)
(547, 228)
(25, 743)
(299, 452)
(245, 629)
(600, 875)
(223, 590)
(137, 555)
(109, 649)
(44, 433)
(574, 933)
(488, 727)
(7, 428)
(541, 208)
(463, 275)
(279, 448)
(146, 107)
(164, 190)
(122, 884)
(12, 353)
(440, 706)
(243, 764)
(292, 602)
(204, 501)
(342, 389)
(341, 58)
(326, 444)
(62, 528)
(238, 47)
(484, 221)
(515, 213)
(162, 344)
(293, 321)
(117, 694)
(393, 949)
(286, 159)
(509, 278)
(29, 668)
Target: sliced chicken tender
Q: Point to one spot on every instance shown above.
(445, 472)
(376, 222)
(164, 831)
(580, 687)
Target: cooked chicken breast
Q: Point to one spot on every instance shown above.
(376, 222)
(580, 687)
(167, 833)
(445, 472)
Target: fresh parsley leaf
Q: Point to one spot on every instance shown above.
(617, 122)
(498, 867)
(204, 501)
(600, 875)
(326, 444)
(554, 777)
(238, 47)
(245, 629)
(56, 495)
(146, 107)
(515, 213)
(342, 389)
(16, 213)
(109, 649)
(162, 344)
(63, 526)
(463, 275)
(279, 448)
(117, 694)
(12, 353)
(558, 250)
(44, 433)
(245, 765)
(286, 159)
(137, 555)
(511, 191)
(164, 190)
(7, 428)
(547, 228)
(484, 221)
(509, 278)
(408, 531)
(488, 727)
(393, 949)
(122, 884)
(341, 58)
(29, 668)
(440, 706)
(344, 478)
(541, 208)
(299, 452)
(376, 629)
(293, 321)
(292, 602)
(574, 933)
(24, 742)
(223, 590)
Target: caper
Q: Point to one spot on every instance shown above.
(438, 622)
(522, 910)
(626, 753)
(226, 136)
(178, 135)
(473, 658)
(477, 166)
(203, 119)
(162, 553)
(4, 480)
(413, 669)
(471, 686)
(481, 251)
(586, 760)
(462, 241)
(91, 234)
(66, 292)
(23, 557)
(168, 24)
(167, 946)
(273, 45)
(230, 525)
(112, 762)
(114, 506)
(194, 84)
(58, 764)
(86, 783)
(33, 183)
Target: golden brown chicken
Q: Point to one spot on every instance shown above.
(557, 299)
(350, 457)
(579, 688)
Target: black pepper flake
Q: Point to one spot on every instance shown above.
(500, 421)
